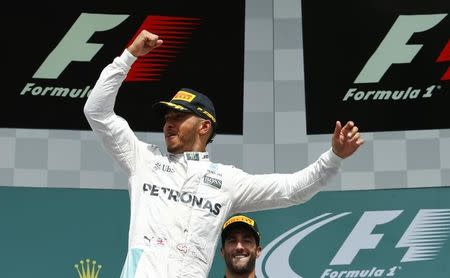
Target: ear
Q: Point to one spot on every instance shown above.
(258, 251)
(205, 127)
(221, 251)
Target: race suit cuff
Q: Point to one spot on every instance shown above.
(333, 158)
(127, 58)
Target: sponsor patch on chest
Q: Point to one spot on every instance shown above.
(215, 182)
(163, 167)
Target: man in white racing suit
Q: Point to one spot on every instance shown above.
(179, 201)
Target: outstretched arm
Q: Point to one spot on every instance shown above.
(258, 192)
(346, 140)
(113, 130)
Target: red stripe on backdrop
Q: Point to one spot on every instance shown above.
(175, 32)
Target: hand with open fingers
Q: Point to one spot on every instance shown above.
(346, 140)
(144, 43)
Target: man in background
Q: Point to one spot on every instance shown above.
(240, 246)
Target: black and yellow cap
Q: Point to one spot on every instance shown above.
(189, 100)
(243, 221)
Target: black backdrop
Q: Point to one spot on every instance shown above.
(211, 61)
(340, 37)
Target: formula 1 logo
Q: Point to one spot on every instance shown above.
(74, 46)
(386, 68)
(48, 86)
(422, 241)
(395, 50)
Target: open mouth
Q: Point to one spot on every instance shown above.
(240, 256)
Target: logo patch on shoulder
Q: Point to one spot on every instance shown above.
(212, 181)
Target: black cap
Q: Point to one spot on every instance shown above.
(189, 100)
(243, 221)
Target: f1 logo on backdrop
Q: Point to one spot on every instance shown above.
(422, 240)
(176, 31)
(393, 65)
(71, 49)
(395, 50)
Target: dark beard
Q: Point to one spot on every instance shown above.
(249, 267)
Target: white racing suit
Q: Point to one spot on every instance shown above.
(179, 202)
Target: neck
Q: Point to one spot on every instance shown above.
(198, 147)
(195, 148)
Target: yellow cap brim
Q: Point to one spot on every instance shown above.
(173, 105)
